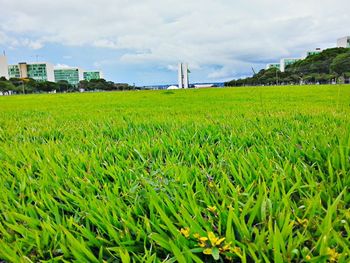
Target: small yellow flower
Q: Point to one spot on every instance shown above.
(211, 184)
(212, 209)
(203, 239)
(217, 243)
(226, 247)
(212, 238)
(185, 231)
(201, 244)
(196, 235)
(333, 254)
(308, 257)
(208, 251)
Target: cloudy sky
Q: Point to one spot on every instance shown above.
(141, 41)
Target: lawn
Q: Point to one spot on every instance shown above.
(257, 174)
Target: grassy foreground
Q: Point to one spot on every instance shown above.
(240, 174)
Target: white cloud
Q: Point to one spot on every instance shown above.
(32, 44)
(11, 42)
(222, 73)
(232, 34)
(173, 68)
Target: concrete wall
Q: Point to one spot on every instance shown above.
(81, 74)
(50, 72)
(23, 71)
(343, 42)
(185, 75)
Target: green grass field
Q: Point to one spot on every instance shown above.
(237, 174)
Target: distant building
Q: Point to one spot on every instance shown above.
(313, 52)
(287, 61)
(3, 67)
(183, 76)
(89, 75)
(344, 42)
(71, 75)
(173, 87)
(202, 86)
(40, 71)
(13, 71)
(273, 65)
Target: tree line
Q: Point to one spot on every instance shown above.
(329, 66)
(27, 86)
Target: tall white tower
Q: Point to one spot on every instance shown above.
(183, 75)
(180, 76)
(4, 67)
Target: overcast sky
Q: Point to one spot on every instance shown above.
(141, 41)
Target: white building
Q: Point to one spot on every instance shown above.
(70, 74)
(92, 74)
(202, 86)
(273, 65)
(344, 42)
(4, 67)
(287, 61)
(313, 52)
(40, 71)
(173, 87)
(183, 75)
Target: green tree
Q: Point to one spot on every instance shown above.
(83, 84)
(63, 86)
(6, 86)
(341, 64)
(47, 86)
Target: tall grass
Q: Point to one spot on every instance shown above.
(242, 175)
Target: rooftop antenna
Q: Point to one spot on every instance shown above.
(36, 58)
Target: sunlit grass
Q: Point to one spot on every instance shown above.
(240, 174)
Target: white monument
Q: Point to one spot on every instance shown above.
(183, 76)
(4, 67)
